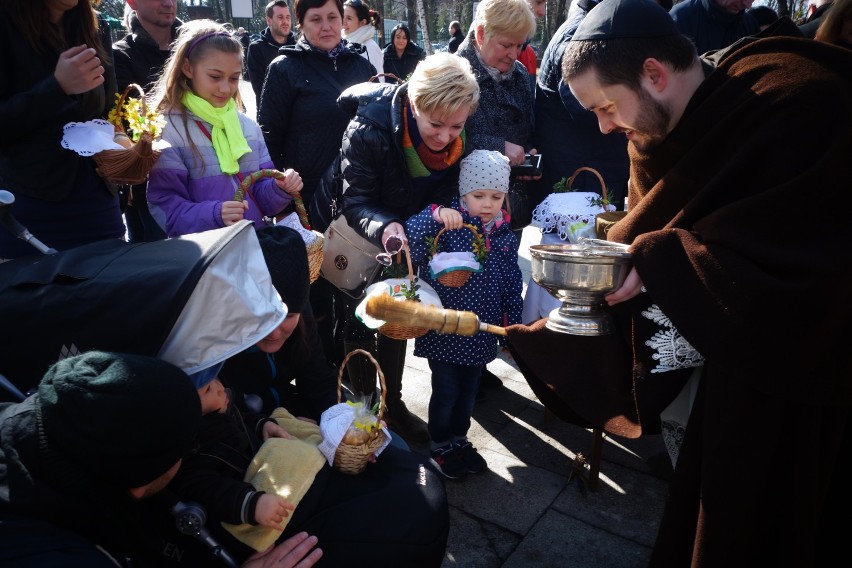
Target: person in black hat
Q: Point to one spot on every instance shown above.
(288, 367)
(714, 269)
(84, 461)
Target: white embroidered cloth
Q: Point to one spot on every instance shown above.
(561, 210)
(292, 221)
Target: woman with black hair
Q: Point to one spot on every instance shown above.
(402, 55)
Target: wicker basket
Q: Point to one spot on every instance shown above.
(454, 278)
(400, 331)
(603, 221)
(128, 165)
(315, 249)
(352, 459)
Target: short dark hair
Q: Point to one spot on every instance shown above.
(275, 4)
(302, 7)
(619, 61)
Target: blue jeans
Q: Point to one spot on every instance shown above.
(453, 396)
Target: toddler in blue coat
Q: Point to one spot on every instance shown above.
(494, 294)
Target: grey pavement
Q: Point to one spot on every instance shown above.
(524, 511)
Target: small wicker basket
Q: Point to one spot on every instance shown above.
(454, 278)
(351, 459)
(128, 165)
(401, 331)
(315, 249)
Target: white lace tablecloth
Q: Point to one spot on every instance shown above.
(559, 211)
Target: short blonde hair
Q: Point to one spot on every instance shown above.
(509, 17)
(444, 84)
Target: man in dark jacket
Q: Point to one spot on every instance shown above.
(261, 52)
(566, 135)
(714, 24)
(456, 36)
(139, 58)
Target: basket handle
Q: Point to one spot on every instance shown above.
(594, 171)
(119, 106)
(250, 180)
(468, 226)
(378, 372)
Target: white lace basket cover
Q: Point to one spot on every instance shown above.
(559, 211)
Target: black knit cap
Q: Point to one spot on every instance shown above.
(124, 418)
(287, 260)
(615, 19)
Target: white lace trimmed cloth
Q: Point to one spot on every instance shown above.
(559, 211)
(672, 351)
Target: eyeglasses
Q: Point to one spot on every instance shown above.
(392, 246)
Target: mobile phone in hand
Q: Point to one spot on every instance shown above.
(530, 167)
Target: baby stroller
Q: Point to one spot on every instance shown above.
(193, 301)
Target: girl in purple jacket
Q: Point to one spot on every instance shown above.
(212, 146)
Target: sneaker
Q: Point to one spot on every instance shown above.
(474, 462)
(449, 462)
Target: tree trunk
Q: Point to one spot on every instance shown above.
(411, 18)
(421, 12)
(380, 8)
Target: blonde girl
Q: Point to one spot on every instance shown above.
(212, 145)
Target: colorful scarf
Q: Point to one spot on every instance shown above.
(422, 161)
(227, 136)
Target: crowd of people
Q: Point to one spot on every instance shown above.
(679, 106)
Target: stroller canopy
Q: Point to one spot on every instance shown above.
(193, 301)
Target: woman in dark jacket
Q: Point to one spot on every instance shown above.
(401, 152)
(401, 54)
(49, 81)
(298, 111)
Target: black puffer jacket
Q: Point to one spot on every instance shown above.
(377, 186)
(403, 66)
(260, 54)
(301, 121)
(138, 58)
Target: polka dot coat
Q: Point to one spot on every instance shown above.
(495, 294)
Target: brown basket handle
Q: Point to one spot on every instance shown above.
(250, 180)
(378, 372)
(594, 171)
(386, 75)
(467, 226)
(119, 106)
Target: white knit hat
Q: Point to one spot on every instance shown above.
(484, 169)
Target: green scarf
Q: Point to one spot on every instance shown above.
(227, 135)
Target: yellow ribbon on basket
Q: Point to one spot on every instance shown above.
(285, 467)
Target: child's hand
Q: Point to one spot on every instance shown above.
(291, 182)
(450, 218)
(271, 510)
(274, 430)
(233, 212)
